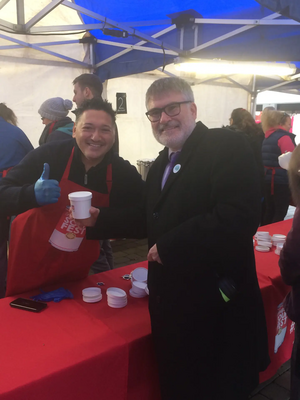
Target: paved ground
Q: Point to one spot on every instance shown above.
(131, 251)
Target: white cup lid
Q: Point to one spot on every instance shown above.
(264, 243)
(263, 249)
(116, 292)
(80, 196)
(278, 236)
(91, 292)
(139, 274)
(92, 299)
(137, 295)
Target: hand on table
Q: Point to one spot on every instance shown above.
(153, 255)
(47, 191)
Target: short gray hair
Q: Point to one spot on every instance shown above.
(173, 84)
(272, 119)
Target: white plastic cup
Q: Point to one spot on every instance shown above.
(81, 204)
(139, 288)
(139, 274)
(284, 160)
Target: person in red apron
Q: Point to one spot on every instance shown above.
(33, 261)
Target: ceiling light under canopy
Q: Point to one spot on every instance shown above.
(223, 67)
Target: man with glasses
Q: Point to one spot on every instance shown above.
(202, 211)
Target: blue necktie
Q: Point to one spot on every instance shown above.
(169, 167)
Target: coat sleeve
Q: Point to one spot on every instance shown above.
(289, 261)
(17, 188)
(221, 234)
(125, 216)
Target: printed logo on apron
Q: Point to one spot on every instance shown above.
(67, 235)
(281, 327)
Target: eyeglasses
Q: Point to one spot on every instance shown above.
(171, 110)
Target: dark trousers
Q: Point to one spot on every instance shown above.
(105, 261)
(277, 204)
(295, 366)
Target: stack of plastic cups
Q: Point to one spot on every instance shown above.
(91, 295)
(278, 241)
(263, 240)
(139, 283)
(116, 298)
(138, 289)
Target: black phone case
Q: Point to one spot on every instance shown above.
(28, 305)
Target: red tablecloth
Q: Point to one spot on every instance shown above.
(75, 350)
(280, 328)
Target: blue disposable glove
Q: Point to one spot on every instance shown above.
(47, 191)
(56, 295)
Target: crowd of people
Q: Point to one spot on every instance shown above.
(206, 189)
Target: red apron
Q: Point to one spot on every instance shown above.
(273, 169)
(33, 262)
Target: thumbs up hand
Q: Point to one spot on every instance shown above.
(47, 191)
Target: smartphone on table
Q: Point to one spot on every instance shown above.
(28, 305)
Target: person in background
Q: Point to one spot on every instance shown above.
(201, 210)
(289, 264)
(14, 145)
(242, 121)
(277, 141)
(54, 113)
(36, 190)
(88, 86)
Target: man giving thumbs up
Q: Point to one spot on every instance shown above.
(37, 189)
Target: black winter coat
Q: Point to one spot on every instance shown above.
(58, 130)
(202, 222)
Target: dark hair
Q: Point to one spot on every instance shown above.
(244, 121)
(92, 82)
(8, 114)
(96, 104)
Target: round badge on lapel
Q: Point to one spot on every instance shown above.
(176, 168)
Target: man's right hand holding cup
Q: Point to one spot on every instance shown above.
(91, 221)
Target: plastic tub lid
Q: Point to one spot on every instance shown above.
(263, 249)
(80, 195)
(139, 274)
(92, 299)
(278, 236)
(116, 292)
(91, 292)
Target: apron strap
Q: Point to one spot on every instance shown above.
(4, 172)
(109, 178)
(272, 178)
(67, 170)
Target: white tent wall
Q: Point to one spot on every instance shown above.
(28, 76)
(214, 104)
(25, 87)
